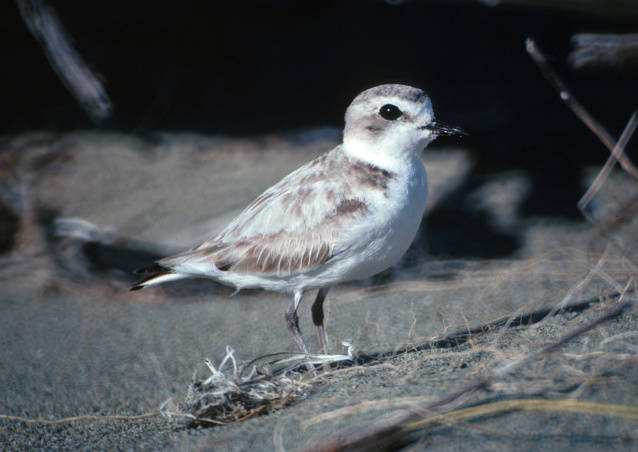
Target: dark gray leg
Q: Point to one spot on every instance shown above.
(292, 322)
(317, 318)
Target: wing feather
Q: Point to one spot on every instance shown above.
(295, 225)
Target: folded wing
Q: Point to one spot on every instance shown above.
(293, 227)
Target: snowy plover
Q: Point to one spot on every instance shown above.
(346, 215)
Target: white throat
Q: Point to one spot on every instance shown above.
(392, 152)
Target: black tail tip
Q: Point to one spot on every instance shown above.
(136, 287)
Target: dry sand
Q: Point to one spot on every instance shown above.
(76, 343)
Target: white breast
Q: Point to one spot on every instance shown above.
(385, 236)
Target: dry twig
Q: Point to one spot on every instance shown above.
(67, 63)
(578, 108)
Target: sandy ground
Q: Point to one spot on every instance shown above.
(75, 342)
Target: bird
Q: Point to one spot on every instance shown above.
(348, 214)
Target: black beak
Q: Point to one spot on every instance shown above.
(440, 128)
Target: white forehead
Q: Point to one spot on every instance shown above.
(413, 101)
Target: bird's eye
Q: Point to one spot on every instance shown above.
(390, 112)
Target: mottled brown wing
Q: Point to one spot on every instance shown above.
(284, 252)
(295, 225)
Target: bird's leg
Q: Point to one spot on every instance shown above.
(317, 318)
(292, 322)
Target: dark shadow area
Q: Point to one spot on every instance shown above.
(455, 233)
(108, 257)
(456, 229)
(9, 225)
(545, 200)
(279, 65)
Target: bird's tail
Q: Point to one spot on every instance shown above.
(157, 275)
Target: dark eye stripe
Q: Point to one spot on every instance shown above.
(390, 112)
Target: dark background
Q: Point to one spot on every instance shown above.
(251, 68)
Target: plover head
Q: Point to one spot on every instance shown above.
(390, 122)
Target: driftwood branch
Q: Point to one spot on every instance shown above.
(604, 51)
(68, 64)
